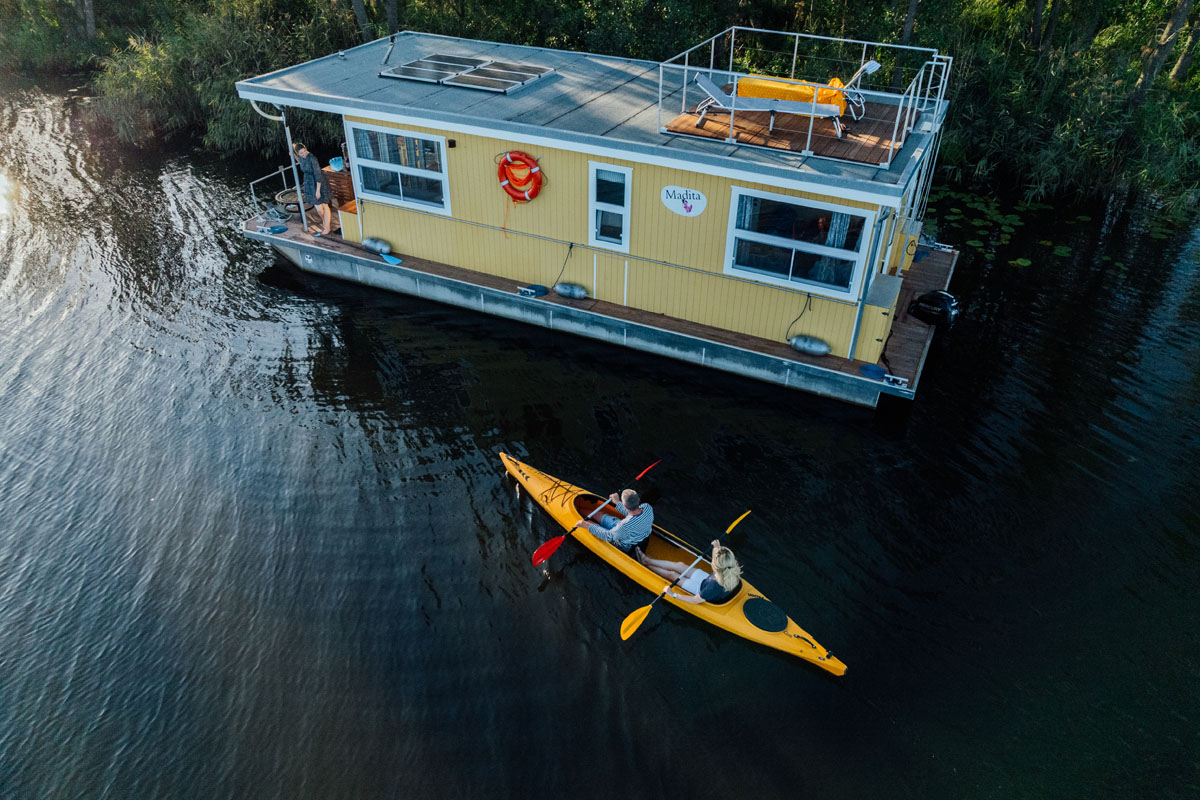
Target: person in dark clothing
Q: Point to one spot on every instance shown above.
(315, 190)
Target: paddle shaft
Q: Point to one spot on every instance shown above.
(675, 582)
(700, 557)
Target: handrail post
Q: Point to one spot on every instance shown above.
(895, 129)
(287, 133)
(733, 108)
(795, 50)
(661, 67)
(812, 118)
(912, 105)
(683, 106)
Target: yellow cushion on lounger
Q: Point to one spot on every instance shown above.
(784, 89)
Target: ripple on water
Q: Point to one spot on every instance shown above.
(257, 542)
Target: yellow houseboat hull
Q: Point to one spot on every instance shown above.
(567, 504)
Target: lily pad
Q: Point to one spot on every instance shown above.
(1021, 262)
(1062, 251)
(1046, 242)
(974, 243)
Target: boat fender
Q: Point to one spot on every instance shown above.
(376, 245)
(571, 290)
(810, 345)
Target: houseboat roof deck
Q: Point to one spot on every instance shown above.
(631, 108)
(903, 357)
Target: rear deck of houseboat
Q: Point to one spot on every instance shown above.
(902, 359)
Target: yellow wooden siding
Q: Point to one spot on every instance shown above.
(872, 334)
(559, 214)
(349, 222)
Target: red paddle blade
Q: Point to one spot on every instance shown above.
(547, 549)
(647, 469)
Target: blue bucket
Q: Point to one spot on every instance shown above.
(336, 164)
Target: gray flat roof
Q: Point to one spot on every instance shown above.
(589, 102)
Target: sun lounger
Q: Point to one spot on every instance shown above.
(719, 100)
(784, 96)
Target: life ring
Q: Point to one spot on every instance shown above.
(519, 175)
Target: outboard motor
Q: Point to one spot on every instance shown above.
(935, 308)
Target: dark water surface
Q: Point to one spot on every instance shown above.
(255, 541)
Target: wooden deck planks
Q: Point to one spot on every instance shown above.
(867, 141)
(905, 351)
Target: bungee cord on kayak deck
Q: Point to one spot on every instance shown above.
(547, 549)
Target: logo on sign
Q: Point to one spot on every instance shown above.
(684, 202)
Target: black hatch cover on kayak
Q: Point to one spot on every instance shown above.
(764, 615)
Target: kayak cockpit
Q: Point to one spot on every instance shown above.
(585, 504)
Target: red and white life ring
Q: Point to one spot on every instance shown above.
(519, 175)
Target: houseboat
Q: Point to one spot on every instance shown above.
(752, 205)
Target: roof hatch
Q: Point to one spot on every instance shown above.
(470, 73)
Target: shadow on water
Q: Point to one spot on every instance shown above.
(259, 544)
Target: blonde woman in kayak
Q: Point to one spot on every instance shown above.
(715, 588)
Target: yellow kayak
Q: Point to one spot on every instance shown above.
(747, 614)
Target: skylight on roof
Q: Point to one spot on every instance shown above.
(469, 73)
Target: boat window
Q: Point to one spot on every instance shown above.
(609, 192)
(800, 243)
(399, 167)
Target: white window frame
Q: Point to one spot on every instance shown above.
(594, 207)
(355, 161)
(851, 293)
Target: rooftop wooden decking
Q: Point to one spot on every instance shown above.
(867, 141)
(903, 356)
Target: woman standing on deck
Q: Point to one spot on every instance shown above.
(315, 190)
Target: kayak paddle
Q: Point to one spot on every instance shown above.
(547, 548)
(635, 620)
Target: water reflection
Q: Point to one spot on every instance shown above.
(261, 533)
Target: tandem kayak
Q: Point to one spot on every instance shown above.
(747, 614)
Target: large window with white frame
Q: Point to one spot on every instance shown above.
(399, 167)
(797, 242)
(609, 191)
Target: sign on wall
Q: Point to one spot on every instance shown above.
(685, 202)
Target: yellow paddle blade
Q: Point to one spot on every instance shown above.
(634, 621)
(735, 522)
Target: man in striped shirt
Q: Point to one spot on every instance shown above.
(627, 531)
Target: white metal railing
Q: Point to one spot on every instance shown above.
(718, 58)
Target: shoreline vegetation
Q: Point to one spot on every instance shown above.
(1051, 98)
